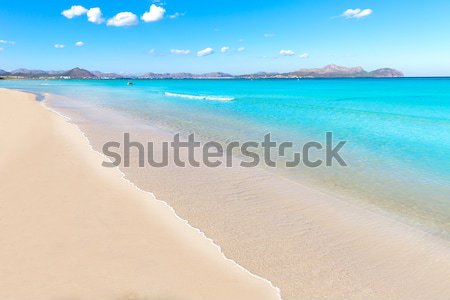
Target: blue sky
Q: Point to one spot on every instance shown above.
(413, 36)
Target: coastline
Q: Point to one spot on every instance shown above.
(310, 244)
(72, 229)
(164, 151)
(339, 249)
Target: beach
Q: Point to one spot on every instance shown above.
(309, 243)
(239, 150)
(71, 229)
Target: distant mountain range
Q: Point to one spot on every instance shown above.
(339, 71)
(329, 71)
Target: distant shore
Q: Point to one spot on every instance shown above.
(329, 71)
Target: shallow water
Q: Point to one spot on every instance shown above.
(397, 130)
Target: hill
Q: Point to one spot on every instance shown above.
(335, 71)
(78, 73)
(329, 71)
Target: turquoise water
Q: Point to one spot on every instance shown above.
(398, 130)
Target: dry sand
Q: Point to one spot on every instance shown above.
(71, 229)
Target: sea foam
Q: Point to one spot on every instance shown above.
(199, 97)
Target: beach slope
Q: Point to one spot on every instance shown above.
(72, 229)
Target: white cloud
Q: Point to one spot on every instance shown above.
(58, 46)
(206, 51)
(155, 13)
(79, 44)
(180, 51)
(351, 12)
(269, 35)
(224, 49)
(123, 19)
(241, 49)
(364, 13)
(287, 52)
(7, 42)
(304, 55)
(176, 15)
(74, 11)
(95, 15)
(356, 13)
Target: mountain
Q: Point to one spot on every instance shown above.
(181, 75)
(27, 72)
(53, 72)
(386, 72)
(151, 75)
(102, 75)
(215, 75)
(266, 74)
(184, 75)
(329, 71)
(334, 71)
(78, 73)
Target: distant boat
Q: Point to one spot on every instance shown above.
(129, 83)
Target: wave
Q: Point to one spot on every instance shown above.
(52, 84)
(198, 97)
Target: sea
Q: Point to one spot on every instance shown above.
(396, 130)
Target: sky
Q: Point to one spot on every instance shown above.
(234, 36)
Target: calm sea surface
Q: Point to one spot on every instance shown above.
(397, 130)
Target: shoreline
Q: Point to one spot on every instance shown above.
(326, 247)
(123, 176)
(238, 282)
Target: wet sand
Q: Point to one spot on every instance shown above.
(310, 244)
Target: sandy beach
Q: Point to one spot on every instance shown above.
(228, 150)
(71, 229)
(310, 244)
(75, 230)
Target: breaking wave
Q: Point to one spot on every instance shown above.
(199, 97)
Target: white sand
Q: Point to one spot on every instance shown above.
(71, 229)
